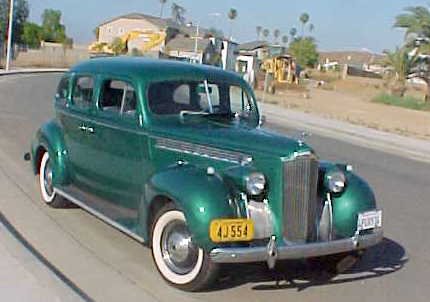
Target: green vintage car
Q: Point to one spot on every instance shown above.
(173, 155)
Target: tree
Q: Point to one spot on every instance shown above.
(21, 13)
(311, 27)
(285, 40)
(266, 33)
(178, 13)
(293, 33)
(416, 22)
(53, 30)
(401, 66)
(304, 18)
(32, 35)
(232, 15)
(305, 51)
(214, 32)
(118, 46)
(276, 34)
(259, 29)
(96, 32)
(162, 3)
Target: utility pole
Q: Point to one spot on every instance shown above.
(9, 36)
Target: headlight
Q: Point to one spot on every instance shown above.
(335, 181)
(255, 183)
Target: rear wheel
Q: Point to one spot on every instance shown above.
(178, 259)
(47, 191)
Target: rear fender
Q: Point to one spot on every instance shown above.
(50, 137)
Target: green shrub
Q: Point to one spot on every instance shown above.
(406, 101)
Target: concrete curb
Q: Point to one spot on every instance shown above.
(33, 70)
(392, 143)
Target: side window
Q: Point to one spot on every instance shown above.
(83, 92)
(63, 90)
(239, 101)
(204, 97)
(181, 95)
(118, 97)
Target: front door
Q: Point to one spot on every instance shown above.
(118, 152)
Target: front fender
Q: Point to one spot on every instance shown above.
(200, 196)
(50, 137)
(357, 197)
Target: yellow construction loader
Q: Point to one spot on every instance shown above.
(280, 68)
(149, 40)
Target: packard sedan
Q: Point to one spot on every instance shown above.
(173, 155)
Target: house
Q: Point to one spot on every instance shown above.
(257, 49)
(157, 37)
(357, 59)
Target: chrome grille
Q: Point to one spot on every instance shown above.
(300, 198)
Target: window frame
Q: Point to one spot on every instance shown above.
(64, 100)
(75, 78)
(116, 115)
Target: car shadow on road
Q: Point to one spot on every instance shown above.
(382, 259)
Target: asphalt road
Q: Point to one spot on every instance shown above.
(108, 266)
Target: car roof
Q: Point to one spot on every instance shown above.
(153, 70)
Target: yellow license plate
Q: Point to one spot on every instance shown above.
(225, 230)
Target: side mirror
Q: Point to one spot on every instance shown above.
(262, 120)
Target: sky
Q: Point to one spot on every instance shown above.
(339, 24)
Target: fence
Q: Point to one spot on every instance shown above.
(49, 57)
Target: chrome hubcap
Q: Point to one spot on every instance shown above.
(47, 180)
(179, 252)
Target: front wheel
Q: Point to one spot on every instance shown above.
(180, 262)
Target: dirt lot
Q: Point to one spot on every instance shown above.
(351, 100)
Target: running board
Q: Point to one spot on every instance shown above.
(99, 215)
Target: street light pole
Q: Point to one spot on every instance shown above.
(9, 36)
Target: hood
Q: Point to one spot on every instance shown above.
(230, 136)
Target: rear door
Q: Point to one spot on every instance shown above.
(76, 121)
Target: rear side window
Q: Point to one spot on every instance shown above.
(63, 90)
(83, 90)
(118, 97)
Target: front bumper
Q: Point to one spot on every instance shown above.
(271, 252)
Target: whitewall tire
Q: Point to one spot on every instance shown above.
(177, 258)
(46, 185)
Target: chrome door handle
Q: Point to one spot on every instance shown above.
(86, 129)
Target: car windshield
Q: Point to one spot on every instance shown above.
(223, 101)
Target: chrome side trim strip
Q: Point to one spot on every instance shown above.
(298, 251)
(203, 151)
(99, 215)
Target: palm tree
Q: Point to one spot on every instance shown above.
(401, 64)
(178, 13)
(276, 34)
(285, 40)
(266, 33)
(311, 27)
(259, 29)
(162, 2)
(232, 15)
(304, 18)
(416, 22)
(293, 33)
